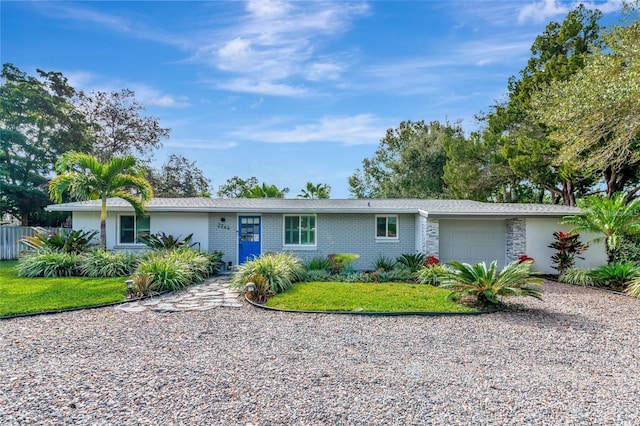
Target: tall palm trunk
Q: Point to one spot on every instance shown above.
(103, 224)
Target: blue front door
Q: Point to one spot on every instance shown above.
(248, 238)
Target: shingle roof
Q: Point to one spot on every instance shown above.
(434, 208)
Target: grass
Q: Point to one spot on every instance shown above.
(367, 297)
(29, 295)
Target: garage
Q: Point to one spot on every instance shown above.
(473, 241)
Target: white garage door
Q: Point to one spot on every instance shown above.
(473, 241)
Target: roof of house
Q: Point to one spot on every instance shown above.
(433, 208)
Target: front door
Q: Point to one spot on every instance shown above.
(249, 238)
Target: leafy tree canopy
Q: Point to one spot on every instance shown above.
(408, 163)
(179, 178)
(317, 191)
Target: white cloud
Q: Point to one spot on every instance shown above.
(200, 144)
(359, 129)
(545, 10)
(273, 48)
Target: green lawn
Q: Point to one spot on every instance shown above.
(26, 295)
(368, 297)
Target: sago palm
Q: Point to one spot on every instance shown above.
(83, 177)
(487, 283)
(613, 217)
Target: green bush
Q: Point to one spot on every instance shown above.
(577, 276)
(168, 274)
(318, 276)
(431, 274)
(342, 261)
(628, 250)
(144, 285)
(101, 263)
(616, 275)
(412, 261)
(65, 241)
(162, 241)
(486, 283)
(49, 264)
(318, 263)
(384, 264)
(279, 270)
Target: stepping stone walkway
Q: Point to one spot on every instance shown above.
(210, 294)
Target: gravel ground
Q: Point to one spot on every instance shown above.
(571, 359)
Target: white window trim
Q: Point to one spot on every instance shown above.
(313, 246)
(118, 226)
(386, 239)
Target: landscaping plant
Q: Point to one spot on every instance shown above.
(487, 283)
(279, 270)
(162, 241)
(318, 263)
(568, 247)
(342, 261)
(66, 241)
(431, 274)
(49, 264)
(144, 285)
(633, 289)
(412, 261)
(616, 275)
(577, 276)
(102, 263)
(384, 263)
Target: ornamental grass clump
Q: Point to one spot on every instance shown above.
(487, 283)
(49, 264)
(578, 276)
(279, 270)
(102, 263)
(431, 274)
(412, 261)
(616, 275)
(176, 269)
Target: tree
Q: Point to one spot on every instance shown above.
(595, 116)
(408, 163)
(118, 125)
(179, 178)
(264, 191)
(318, 191)
(37, 124)
(526, 158)
(613, 217)
(235, 186)
(84, 177)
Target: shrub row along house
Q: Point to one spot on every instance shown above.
(466, 231)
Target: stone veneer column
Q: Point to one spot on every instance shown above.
(433, 237)
(516, 238)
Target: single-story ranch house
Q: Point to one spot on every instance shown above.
(462, 230)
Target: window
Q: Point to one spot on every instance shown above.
(133, 227)
(387, 227)
(300, 230)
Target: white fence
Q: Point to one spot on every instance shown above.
(10, 236)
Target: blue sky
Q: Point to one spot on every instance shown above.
(288, 92)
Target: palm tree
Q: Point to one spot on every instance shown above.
(318, 191)
(264, 191)
(84, 177)
(613, 217)
(487, 284)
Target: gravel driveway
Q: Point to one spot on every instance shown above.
(571, 359)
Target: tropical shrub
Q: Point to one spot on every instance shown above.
(577, 276)
(66, 241)
(260, 291)
(568, 247)
(628, 250)
(279, 270)
(144, 285)
(525, 258)
(633, 289)
(49, 264)
(342, 261)
(431, 274)
(616, 275)
(487, 283)
(162, 241)
(412, 261)
(431, 260)
(384, 263)
(102, 263)
(215, 261)
(318, 263)
(168, 274)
